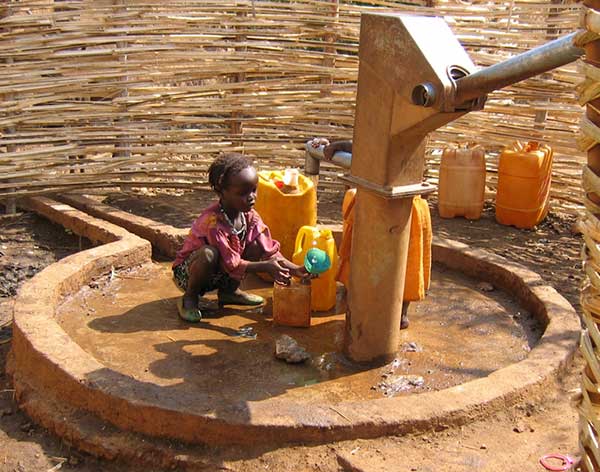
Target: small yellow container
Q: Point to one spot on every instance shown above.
(285, 209)
(291, 304)
(323, 287)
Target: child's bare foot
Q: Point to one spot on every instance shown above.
(404, 318)
(188, 309)
(239, 298)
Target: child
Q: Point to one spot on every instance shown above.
(228, 240)
(418, 264)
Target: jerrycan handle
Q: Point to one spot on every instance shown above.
(348, 203)
(531, 146)
(303, 233)
(266, 178)
(325, 234)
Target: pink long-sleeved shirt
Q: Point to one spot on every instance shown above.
(211, 228)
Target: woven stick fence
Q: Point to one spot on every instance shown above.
(589, 94)
(100, 93)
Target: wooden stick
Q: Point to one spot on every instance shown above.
(295, 67)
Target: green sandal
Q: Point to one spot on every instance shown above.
(240, 298)
(193, 315)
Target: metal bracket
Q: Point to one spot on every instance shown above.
(390, 192)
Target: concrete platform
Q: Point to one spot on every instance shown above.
(49, 367)
(460, 334)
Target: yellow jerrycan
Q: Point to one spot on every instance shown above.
(322, 288)
(462, 182)
(524, 178)
(286, 201)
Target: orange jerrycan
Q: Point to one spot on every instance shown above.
(343, 273)
(462, 182)
(524, 177)
(418, 264)
(285, 206)
(322, 288)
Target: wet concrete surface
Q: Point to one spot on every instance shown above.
(129, 322)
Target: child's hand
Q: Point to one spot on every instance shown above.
(278, 271)
(295, 270)
(301, 272)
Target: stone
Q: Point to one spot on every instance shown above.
(288, 349)
(395, 384)
(485, 287)
(575, 228)
(26, 426)
(411, 347)
(521, 428)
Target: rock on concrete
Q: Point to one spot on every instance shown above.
(287, 349)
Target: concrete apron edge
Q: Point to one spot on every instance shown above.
(127, 403)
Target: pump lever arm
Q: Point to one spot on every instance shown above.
(523, 66)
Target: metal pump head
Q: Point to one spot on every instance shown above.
(406, 88)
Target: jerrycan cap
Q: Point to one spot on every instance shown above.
(290, 177)
(317, 261)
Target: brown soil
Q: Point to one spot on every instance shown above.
(512, 440)
(29, 243)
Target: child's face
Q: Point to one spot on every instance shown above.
(240, 192)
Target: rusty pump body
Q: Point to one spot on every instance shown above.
(414, 77)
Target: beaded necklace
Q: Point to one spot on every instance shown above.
(240, 233)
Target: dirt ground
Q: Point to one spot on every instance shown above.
(29, 243)
(511, 440)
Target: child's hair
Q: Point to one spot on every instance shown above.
(226, 166)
